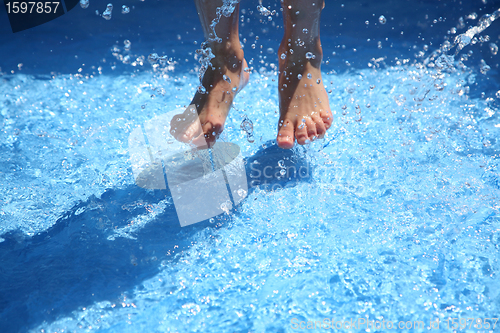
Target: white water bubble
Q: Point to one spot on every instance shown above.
(299, 76)
(283, 172)
(226, 78)
(283, 56)
(270, 50)
(367, 22)
(125, 9)
(305, 31)
(84, 3)
(382, 19)
(497, 94)
(242, 193)
(281, 164)
(309, 76)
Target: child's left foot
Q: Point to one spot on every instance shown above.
(305, 114)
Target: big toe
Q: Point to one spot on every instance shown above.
(285, 138)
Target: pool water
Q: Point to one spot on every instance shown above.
(394, 215)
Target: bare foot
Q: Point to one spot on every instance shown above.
(305, 114)
(204, 119)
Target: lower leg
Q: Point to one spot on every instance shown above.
(222, 79)
(304, 110)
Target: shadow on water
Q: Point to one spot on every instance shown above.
(81, 260)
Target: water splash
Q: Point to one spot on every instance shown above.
(205, 52)
(247, 127)
(467, 37)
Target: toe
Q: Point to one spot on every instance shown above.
(327, 117)
(320, 125)
(301, 132)
(285, 136)
(212, 132)
(312, 132)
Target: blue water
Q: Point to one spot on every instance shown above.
(395, 216)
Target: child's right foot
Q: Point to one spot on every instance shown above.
(203, 124)
(305, 114)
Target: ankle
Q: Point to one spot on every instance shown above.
(229, 55)
(301, 52)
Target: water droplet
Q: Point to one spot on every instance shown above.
(309, 76)
(283, 172)
(367, 22)
(382, 19)
(125, 9)
(107, 13)
(247, 127)
(305, 31)
(153, 58)
(310, 55)
(234, 89)
(483, 67)
(143, 106)
(281, 163)
(202, 90)
(283, 56)
(318, 81)
(299, 76)
(471, 16)
(263, 10)
(242, 193)
(494, 48)
(270, 50)
(126, 43)
(84, 3)
(226, 78)
(498, 94)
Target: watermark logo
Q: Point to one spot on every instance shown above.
(26, 14)
(203, 182)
